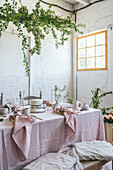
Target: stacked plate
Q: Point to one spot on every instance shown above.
(37, 106)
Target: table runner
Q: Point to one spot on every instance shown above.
(49, 135)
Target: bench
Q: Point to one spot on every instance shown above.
(94, 165)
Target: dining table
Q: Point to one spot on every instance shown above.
(49, 134)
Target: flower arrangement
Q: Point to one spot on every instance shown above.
(59, 95)
(108, 118)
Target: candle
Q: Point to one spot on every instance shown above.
(48, 105)
(51, 96)
(23, 93)
(23, 98)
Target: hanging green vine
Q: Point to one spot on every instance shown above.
(110, 26)
(39, 22)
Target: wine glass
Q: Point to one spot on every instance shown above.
(10, 104)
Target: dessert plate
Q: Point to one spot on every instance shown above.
(38, 110)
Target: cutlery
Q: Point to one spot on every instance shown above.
(36, 117)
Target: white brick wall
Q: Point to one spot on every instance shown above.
(12, 72)
(53, 66)
(50, 68)
(11, 85)
(97, 17)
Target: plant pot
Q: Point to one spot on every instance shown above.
(109, 132)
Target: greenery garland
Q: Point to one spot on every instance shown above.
(39, 22)
(110, 26)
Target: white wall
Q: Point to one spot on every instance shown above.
(97, 17)
(12, 72)
(52, 67)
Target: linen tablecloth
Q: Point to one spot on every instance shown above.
(49, 135)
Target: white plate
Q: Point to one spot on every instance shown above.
(38, 110)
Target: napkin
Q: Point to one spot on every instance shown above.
(21, 134)
(68, 105)
(71, 120)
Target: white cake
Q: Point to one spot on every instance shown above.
(36, 105)
(36, 102)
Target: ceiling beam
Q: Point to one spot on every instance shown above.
(84, 2)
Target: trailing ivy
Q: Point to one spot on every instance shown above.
(39, 22)
(110, 26)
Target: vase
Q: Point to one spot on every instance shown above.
(76, 105)
(84, 106)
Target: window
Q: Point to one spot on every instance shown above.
(92, 51)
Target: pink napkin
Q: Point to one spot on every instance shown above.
(21, 135)
(71, 121)
(67, 105)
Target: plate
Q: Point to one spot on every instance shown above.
(38, 110)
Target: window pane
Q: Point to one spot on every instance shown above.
(100, 39)
(100, 62)
(82, 43)
(100, 50)
(91, 52)
(81, 64)
(81, 53)
(91, 41)
(90, 62)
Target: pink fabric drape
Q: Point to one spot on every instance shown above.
(49, 135)
(22, 134)
(71, 121)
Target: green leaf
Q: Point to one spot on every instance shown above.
(39, 22)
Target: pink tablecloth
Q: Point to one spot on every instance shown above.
(49, 135)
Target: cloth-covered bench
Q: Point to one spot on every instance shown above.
(94, 154)
(94, 165)
(55, 161)
(83, 155)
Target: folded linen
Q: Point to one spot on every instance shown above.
(93, 150)
(64, 159)
(71, 120)
(68, 105)
(64, 109)
(71, 152)
(21, 134)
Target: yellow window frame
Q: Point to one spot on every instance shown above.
(90, 69)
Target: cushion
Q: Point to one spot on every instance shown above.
(71, 152)
(94, 150)
(52, 161)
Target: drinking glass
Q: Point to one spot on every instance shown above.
(10, 104)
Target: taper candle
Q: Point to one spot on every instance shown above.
(23, 98)
(51, 96)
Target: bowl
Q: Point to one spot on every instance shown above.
(3, 111)
(26, 111)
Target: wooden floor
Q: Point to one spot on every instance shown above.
(94, 165)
